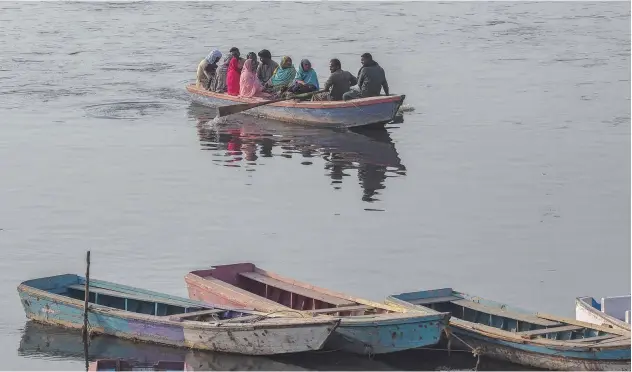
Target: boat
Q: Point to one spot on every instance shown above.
(50, 344)
(142, 315)
(366, 327)
(610, 311)
(124, 365)
(518, 336)
(371, 111)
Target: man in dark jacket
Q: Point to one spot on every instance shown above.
(339, 82)
(371, 80)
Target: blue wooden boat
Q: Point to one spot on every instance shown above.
(366, 327)
(373, 111)
(533, 339)
(143, 315)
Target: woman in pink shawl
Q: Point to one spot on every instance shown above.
(249, 85)
(232, 77)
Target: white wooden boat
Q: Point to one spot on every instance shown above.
(610, 311)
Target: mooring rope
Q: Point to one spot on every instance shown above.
(476, 351)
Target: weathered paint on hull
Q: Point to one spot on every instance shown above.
(353, 115)
(383, 337)
(266, 341)
(359, 335)
(537, 357)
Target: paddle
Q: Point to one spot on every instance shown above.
(234, 109)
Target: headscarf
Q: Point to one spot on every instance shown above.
(249, 85)
(309, 76)
(252, 56)
(213, 55)
(283, 76)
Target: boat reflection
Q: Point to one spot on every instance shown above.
(241, 141)
(53, 343)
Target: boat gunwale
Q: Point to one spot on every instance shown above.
(267, 322)
(368, 101)
(609, 318)
(515, 337)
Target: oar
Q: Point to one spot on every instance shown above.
(234, 109)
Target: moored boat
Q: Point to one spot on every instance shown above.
(366, 327)
(337, 114)
(610, 311)
(538, 340)
(143, 315)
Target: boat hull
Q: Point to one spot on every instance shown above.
(550, 354)
(336, 114)
(540, 357)
(368, 334)
(254, 339)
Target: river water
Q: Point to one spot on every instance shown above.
(509, 179)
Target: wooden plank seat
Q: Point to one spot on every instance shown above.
(435, 300)
(184, 316)
(544, 331)
(340, 309)
(505, 313)
(593, 339)
(309, 293)
(107, 292)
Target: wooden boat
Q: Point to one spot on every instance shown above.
(519, 336)
(143, 315)
(124, 365)
(46, 342)
(366, 327)
(338, 114)
(610, 312)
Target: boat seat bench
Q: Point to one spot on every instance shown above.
(107, 292)
(507, 314)
(296, 289)
(544, 331)
(340, 309)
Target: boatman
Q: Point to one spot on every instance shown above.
(371, 80)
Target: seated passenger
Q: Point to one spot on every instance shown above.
(266, 67)
(339, 82)
(306, 80)
(206, 69)
(282, 77)
(219, 84)
(371, 80)
(249, 84)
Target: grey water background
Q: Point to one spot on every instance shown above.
(509, 180)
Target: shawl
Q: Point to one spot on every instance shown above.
(309, 76)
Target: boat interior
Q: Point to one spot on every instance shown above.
(106, 294)
(247, 277)
(123, 365)
(524, 324)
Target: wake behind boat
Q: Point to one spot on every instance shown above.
(360, 112)
(143, 315)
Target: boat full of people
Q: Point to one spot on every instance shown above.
(297, 94)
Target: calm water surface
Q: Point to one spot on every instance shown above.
(509, 180)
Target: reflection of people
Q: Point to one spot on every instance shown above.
(371, 178)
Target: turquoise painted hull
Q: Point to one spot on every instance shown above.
(387, 336)
(558, 351)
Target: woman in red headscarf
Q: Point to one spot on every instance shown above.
(232, 77)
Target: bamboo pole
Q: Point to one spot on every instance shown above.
(84, 331)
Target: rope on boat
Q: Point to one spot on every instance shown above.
(476, 351)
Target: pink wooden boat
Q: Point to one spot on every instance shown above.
(366, 327)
